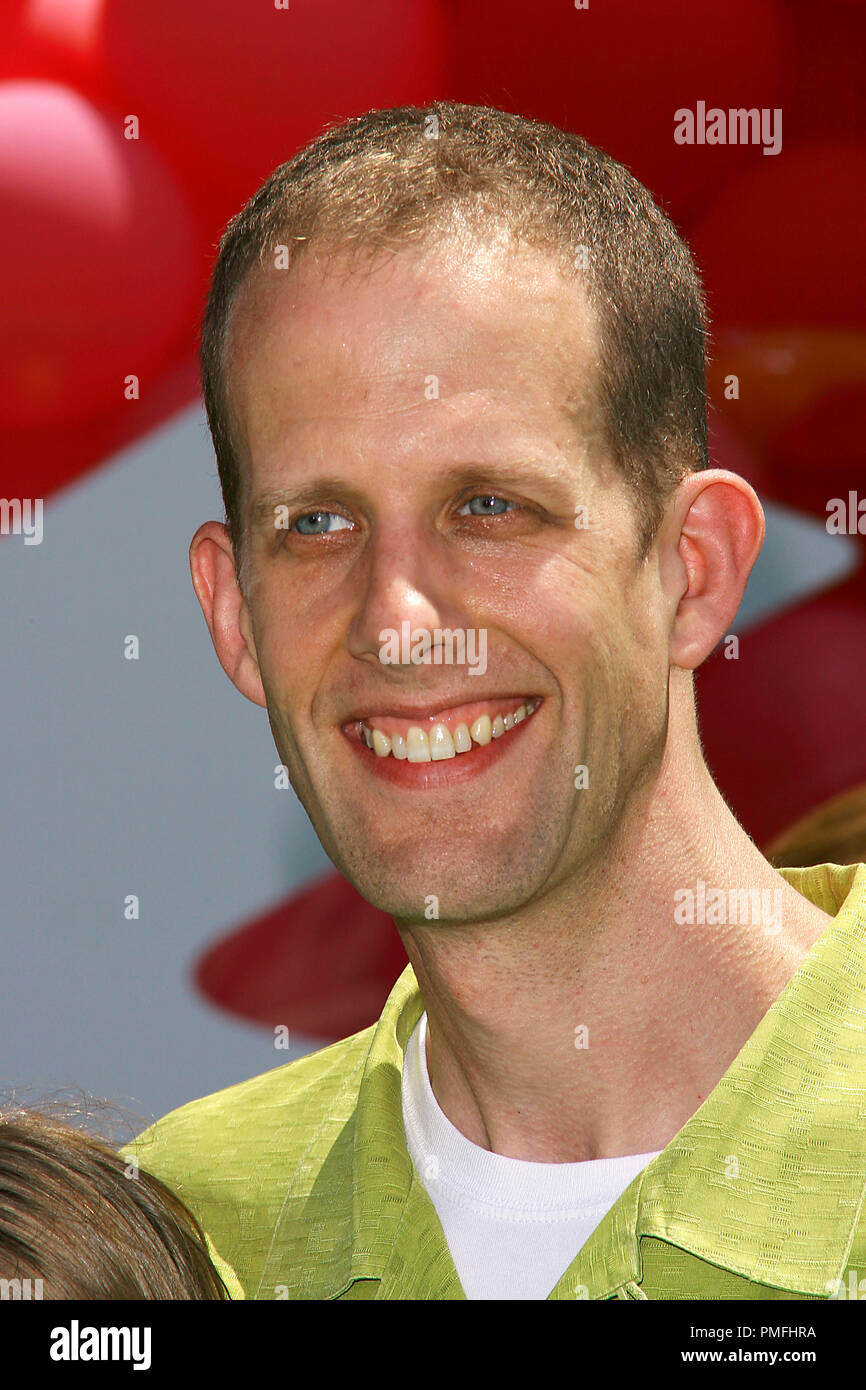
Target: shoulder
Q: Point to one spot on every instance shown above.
(234, 1156)
(232, 1127)
(268, 1166)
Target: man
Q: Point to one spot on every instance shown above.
(453, 362)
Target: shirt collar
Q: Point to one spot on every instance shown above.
(762, 1180)
(767, 1178)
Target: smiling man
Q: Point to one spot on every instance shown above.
(453, 363)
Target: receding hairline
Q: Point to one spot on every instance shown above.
(335, 260)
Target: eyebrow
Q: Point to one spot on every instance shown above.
(514, 472)
(263, 507)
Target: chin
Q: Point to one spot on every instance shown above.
(444, 894)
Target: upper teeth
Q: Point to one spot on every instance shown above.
(436, 742)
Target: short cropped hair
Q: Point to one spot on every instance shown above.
(390, 179)
(73, 1216)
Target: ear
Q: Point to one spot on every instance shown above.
(710, 540)
(214, 578)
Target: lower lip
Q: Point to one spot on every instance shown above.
(445, 772)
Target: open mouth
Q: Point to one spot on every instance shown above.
(445, 735)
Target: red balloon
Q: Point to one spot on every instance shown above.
(782, 246)
(101, 273)
(829, 98)
(231, 90)
(763, 380)
(727, 449)
(40, 460)
(819, 453)
(783, 728)
(323, 962)
(53, 40)
(616, 72)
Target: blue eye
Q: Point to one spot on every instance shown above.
(491, 505)
(317, 518)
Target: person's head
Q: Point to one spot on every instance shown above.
(82, 1220)
(423, 308)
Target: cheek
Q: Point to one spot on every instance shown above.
(582, 634)
(610, 662)
(279, 640)
(285, 619)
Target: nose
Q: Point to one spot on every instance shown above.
(405, 581)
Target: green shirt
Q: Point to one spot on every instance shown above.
(303, 1183)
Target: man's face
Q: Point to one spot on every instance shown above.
(386, 407)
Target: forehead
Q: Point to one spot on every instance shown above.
(497, 332)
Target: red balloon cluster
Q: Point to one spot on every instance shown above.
(130, 132)
(104, 256)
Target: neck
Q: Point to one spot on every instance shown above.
(592, 1024)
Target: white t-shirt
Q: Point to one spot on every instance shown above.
(512, 1227)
